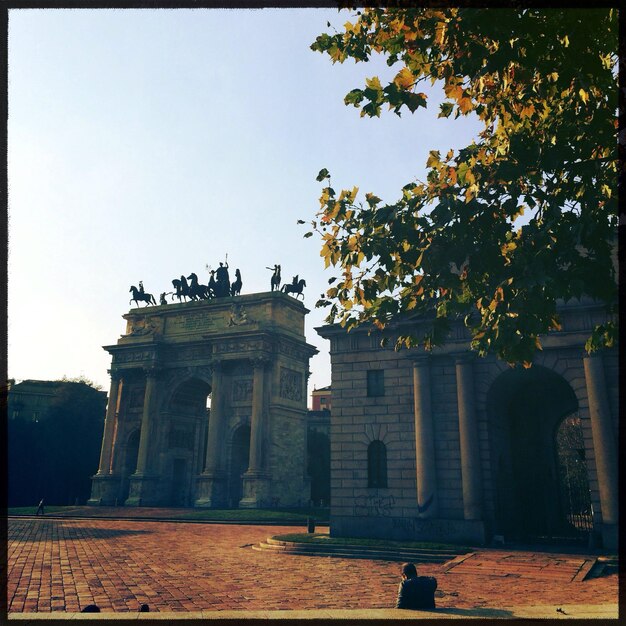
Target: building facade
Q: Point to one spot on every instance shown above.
(321, 399)
(445, 446)
(33, 400)
(208, 406)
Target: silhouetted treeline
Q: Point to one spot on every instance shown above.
(55, 457)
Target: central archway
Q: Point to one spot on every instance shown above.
(533, 429)
(183, 448)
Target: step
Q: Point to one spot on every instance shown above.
(363, 552)
(418, 551)
(352, 555)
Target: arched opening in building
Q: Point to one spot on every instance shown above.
(184, 446)
(239, 459)
(538, 465)
(318, 467)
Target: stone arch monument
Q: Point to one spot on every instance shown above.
(208, 408)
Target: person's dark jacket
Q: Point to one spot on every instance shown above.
(417, 592)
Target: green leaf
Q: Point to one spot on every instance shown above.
(445, 109)
(322, 175)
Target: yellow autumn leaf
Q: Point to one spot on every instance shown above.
(584, 96)
(471, 192)
(374, 83)
(465, 104)
(404, 78)
(440, 33)
(433, 158)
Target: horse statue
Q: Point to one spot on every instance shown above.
(182, 288)
(275, 277)
(196, 290)
(138, 297)
(235, 288)
(295, 287)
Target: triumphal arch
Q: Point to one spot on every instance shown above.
(207, 406)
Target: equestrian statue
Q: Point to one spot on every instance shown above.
(296, 286)
(139, 295)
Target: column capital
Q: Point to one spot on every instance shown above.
(464, 357)
(216, 364)
(592, 356)
(115, 374)
(260, 361)
(152, 371)
(420, 360)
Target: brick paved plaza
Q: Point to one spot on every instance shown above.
(63, 565)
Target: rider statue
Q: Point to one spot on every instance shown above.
(141, 291)
(222, 279)
(221, 273)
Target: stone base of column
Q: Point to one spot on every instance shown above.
(256, 491)
(409, 529)
(143, 491)
(210, 491)
(104, 489)
(610, 537)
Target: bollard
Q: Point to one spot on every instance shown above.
(310, 525)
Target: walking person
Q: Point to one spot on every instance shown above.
(40, 508)
(416, 592)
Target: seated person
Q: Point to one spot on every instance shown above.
(416, 592)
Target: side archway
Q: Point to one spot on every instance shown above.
(527, 410)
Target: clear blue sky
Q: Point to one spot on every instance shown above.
(144, 144)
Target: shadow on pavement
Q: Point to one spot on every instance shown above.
(476, 612)
(66, 531)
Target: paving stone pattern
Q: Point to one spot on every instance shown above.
(63, 565)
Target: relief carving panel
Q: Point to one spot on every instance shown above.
(290, 384)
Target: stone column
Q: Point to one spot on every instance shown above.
(143, 485)
(109, 424)
(105, 485)
(210, 488)
(257, 460)
(603, 441)
(424, 443)
(146, 422)
(255, 487)
(468, 433)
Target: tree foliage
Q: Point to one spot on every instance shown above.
(55, 457)
(543, 83)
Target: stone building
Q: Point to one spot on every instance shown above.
(321, 399)
(208, 406)
(33, 400)
(445, 446)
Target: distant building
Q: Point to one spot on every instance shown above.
(321, 399)
(33, 400)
